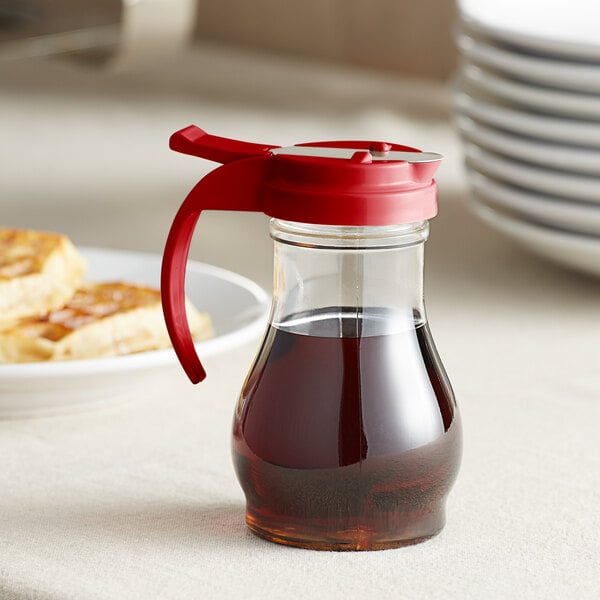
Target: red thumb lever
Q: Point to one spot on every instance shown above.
(196, 142)
(234, 186)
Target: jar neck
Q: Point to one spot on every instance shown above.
(349, 269)
(343, 236)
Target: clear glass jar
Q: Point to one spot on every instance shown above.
(347, 435)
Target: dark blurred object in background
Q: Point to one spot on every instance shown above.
(31, 28)
(124, 32)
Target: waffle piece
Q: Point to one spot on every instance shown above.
(101, 319)
(39, 272)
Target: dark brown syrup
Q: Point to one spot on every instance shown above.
(346, 435)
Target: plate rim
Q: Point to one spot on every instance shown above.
(552, 71)
(575, 252)
(153, 358)
(539, 126)
(536, 152)
(566, 103)
(529, 176)
(551, 45)
(488, 190)
(508, 222)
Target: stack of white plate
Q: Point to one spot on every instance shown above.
(527, 104)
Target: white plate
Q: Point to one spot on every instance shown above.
(545, 210)
(568, 249)
(557, 156)
(544, 127)
(551, 101)
(555, 183)
(558, 27)
(561, 74)
(238, 309)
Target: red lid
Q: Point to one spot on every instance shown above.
(358, 189)
(331, 183)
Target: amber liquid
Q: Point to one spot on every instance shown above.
(346, 436)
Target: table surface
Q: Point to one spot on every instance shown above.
(139, 499)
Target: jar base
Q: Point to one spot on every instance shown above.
(357, 539)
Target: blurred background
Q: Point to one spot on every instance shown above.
(91, 91)
(508, 92)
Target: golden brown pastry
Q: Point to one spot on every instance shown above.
(101, 319)
(39, 272)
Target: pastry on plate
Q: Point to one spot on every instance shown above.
(99, 320)
(39, 272)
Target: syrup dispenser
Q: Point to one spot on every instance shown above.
(346, 435)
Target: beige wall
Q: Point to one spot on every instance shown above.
(409, 36)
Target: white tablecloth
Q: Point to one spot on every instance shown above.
(139, 500)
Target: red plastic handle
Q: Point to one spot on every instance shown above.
(234, 186)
